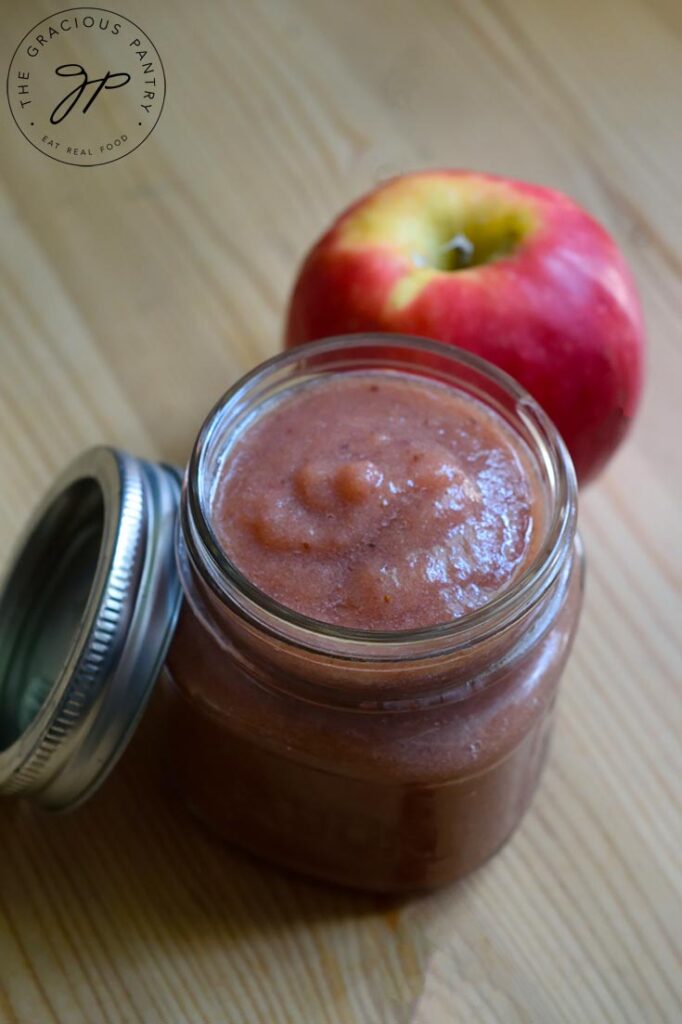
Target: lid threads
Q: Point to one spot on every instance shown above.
(67, 733)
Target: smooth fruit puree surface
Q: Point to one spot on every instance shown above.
(379, 500)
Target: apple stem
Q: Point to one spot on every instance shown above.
(463, 249)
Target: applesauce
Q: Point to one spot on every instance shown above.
(382, 584)
(379, 501)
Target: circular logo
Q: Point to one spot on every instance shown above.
(86, 86)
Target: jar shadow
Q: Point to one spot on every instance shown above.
(132, 879)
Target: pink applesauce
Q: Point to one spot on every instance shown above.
(359, 481)
(379, 501)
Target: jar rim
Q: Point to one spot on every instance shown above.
(229, 584)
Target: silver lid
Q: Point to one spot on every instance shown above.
(87, 612)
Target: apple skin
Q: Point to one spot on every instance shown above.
(552, 301)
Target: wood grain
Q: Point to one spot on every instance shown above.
(132, 294)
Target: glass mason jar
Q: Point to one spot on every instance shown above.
(384, 761)
(387, 761)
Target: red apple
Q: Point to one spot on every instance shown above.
(516, 273)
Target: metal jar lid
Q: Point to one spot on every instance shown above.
(87, 612)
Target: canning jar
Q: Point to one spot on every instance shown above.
(380, 760)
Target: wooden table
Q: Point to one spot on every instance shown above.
(132, 295)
